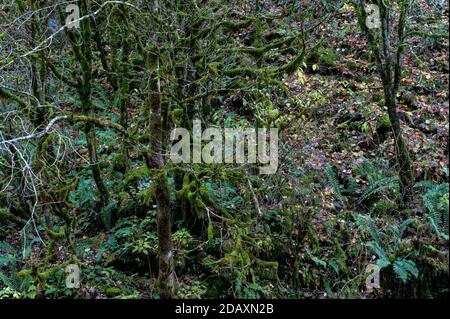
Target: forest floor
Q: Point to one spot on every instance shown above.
(336, 119)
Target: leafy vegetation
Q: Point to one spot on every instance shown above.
(87, 112)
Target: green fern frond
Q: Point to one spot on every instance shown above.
(107, 213)
(404, 269)
(386, 183)
(5, 280)
(366, 169)
(7, 248)
(377, 249)
(6, 260)
(332, 179)
(435, 200)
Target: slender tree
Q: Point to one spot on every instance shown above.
(83, 54)
(384, 23)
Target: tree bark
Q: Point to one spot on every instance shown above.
(85, 89)
(391, 82)
(166, 275)
(390, 72)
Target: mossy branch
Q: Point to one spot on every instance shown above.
(7, 94)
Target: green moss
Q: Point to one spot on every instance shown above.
(376, 97)
(138, 59)
(59, 234)
(381, 103)
(4, 215)
(384, 206)
(112, 292)
(177, 116)
(118, 163)
(323, 56)
(135, 175)
(384, 123)
(124, 196)
(24, 273)
(327, 56)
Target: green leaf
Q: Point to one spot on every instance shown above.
(383, 263)
(377, 249)
(411, 267)
(403, 268)
(318, 261)
(6, 260)
(5, 280)
(7, 248)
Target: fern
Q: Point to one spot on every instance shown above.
(367, 226)
(8, 257)
(107, 214)
(378, 179)
(385, 183)
(7, 254)
(5, 247)
(435, 200)
(404, 268)
(375, 246)
(7, 260)
(368, 170)
(5, 280)
(386, 246)
(84, 194)
(334, 183)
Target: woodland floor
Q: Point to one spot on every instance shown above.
(334, 117)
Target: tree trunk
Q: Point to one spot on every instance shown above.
(390, 71)
(391, 76)
(166, 275)
(85, 89)
(406, 174)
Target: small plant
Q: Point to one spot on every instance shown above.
(146, 244)
(379, 181)
(193, 290)
(332, 179)
(9, 293)
(436, 201)
(388, 246)
(182, 238)
(8, 259)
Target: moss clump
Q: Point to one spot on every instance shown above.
(134, 176)
(124, 196)
(384, 123)
(377, 98)
(112, 292)
(4, 215)
(118, 163)
(323, 56)
(177, 116)
(384, 206)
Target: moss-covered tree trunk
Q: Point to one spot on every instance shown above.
(84, 56)
(406, 175)
(166, 275)
(389, 57)
(120, 49)
(391, 81)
